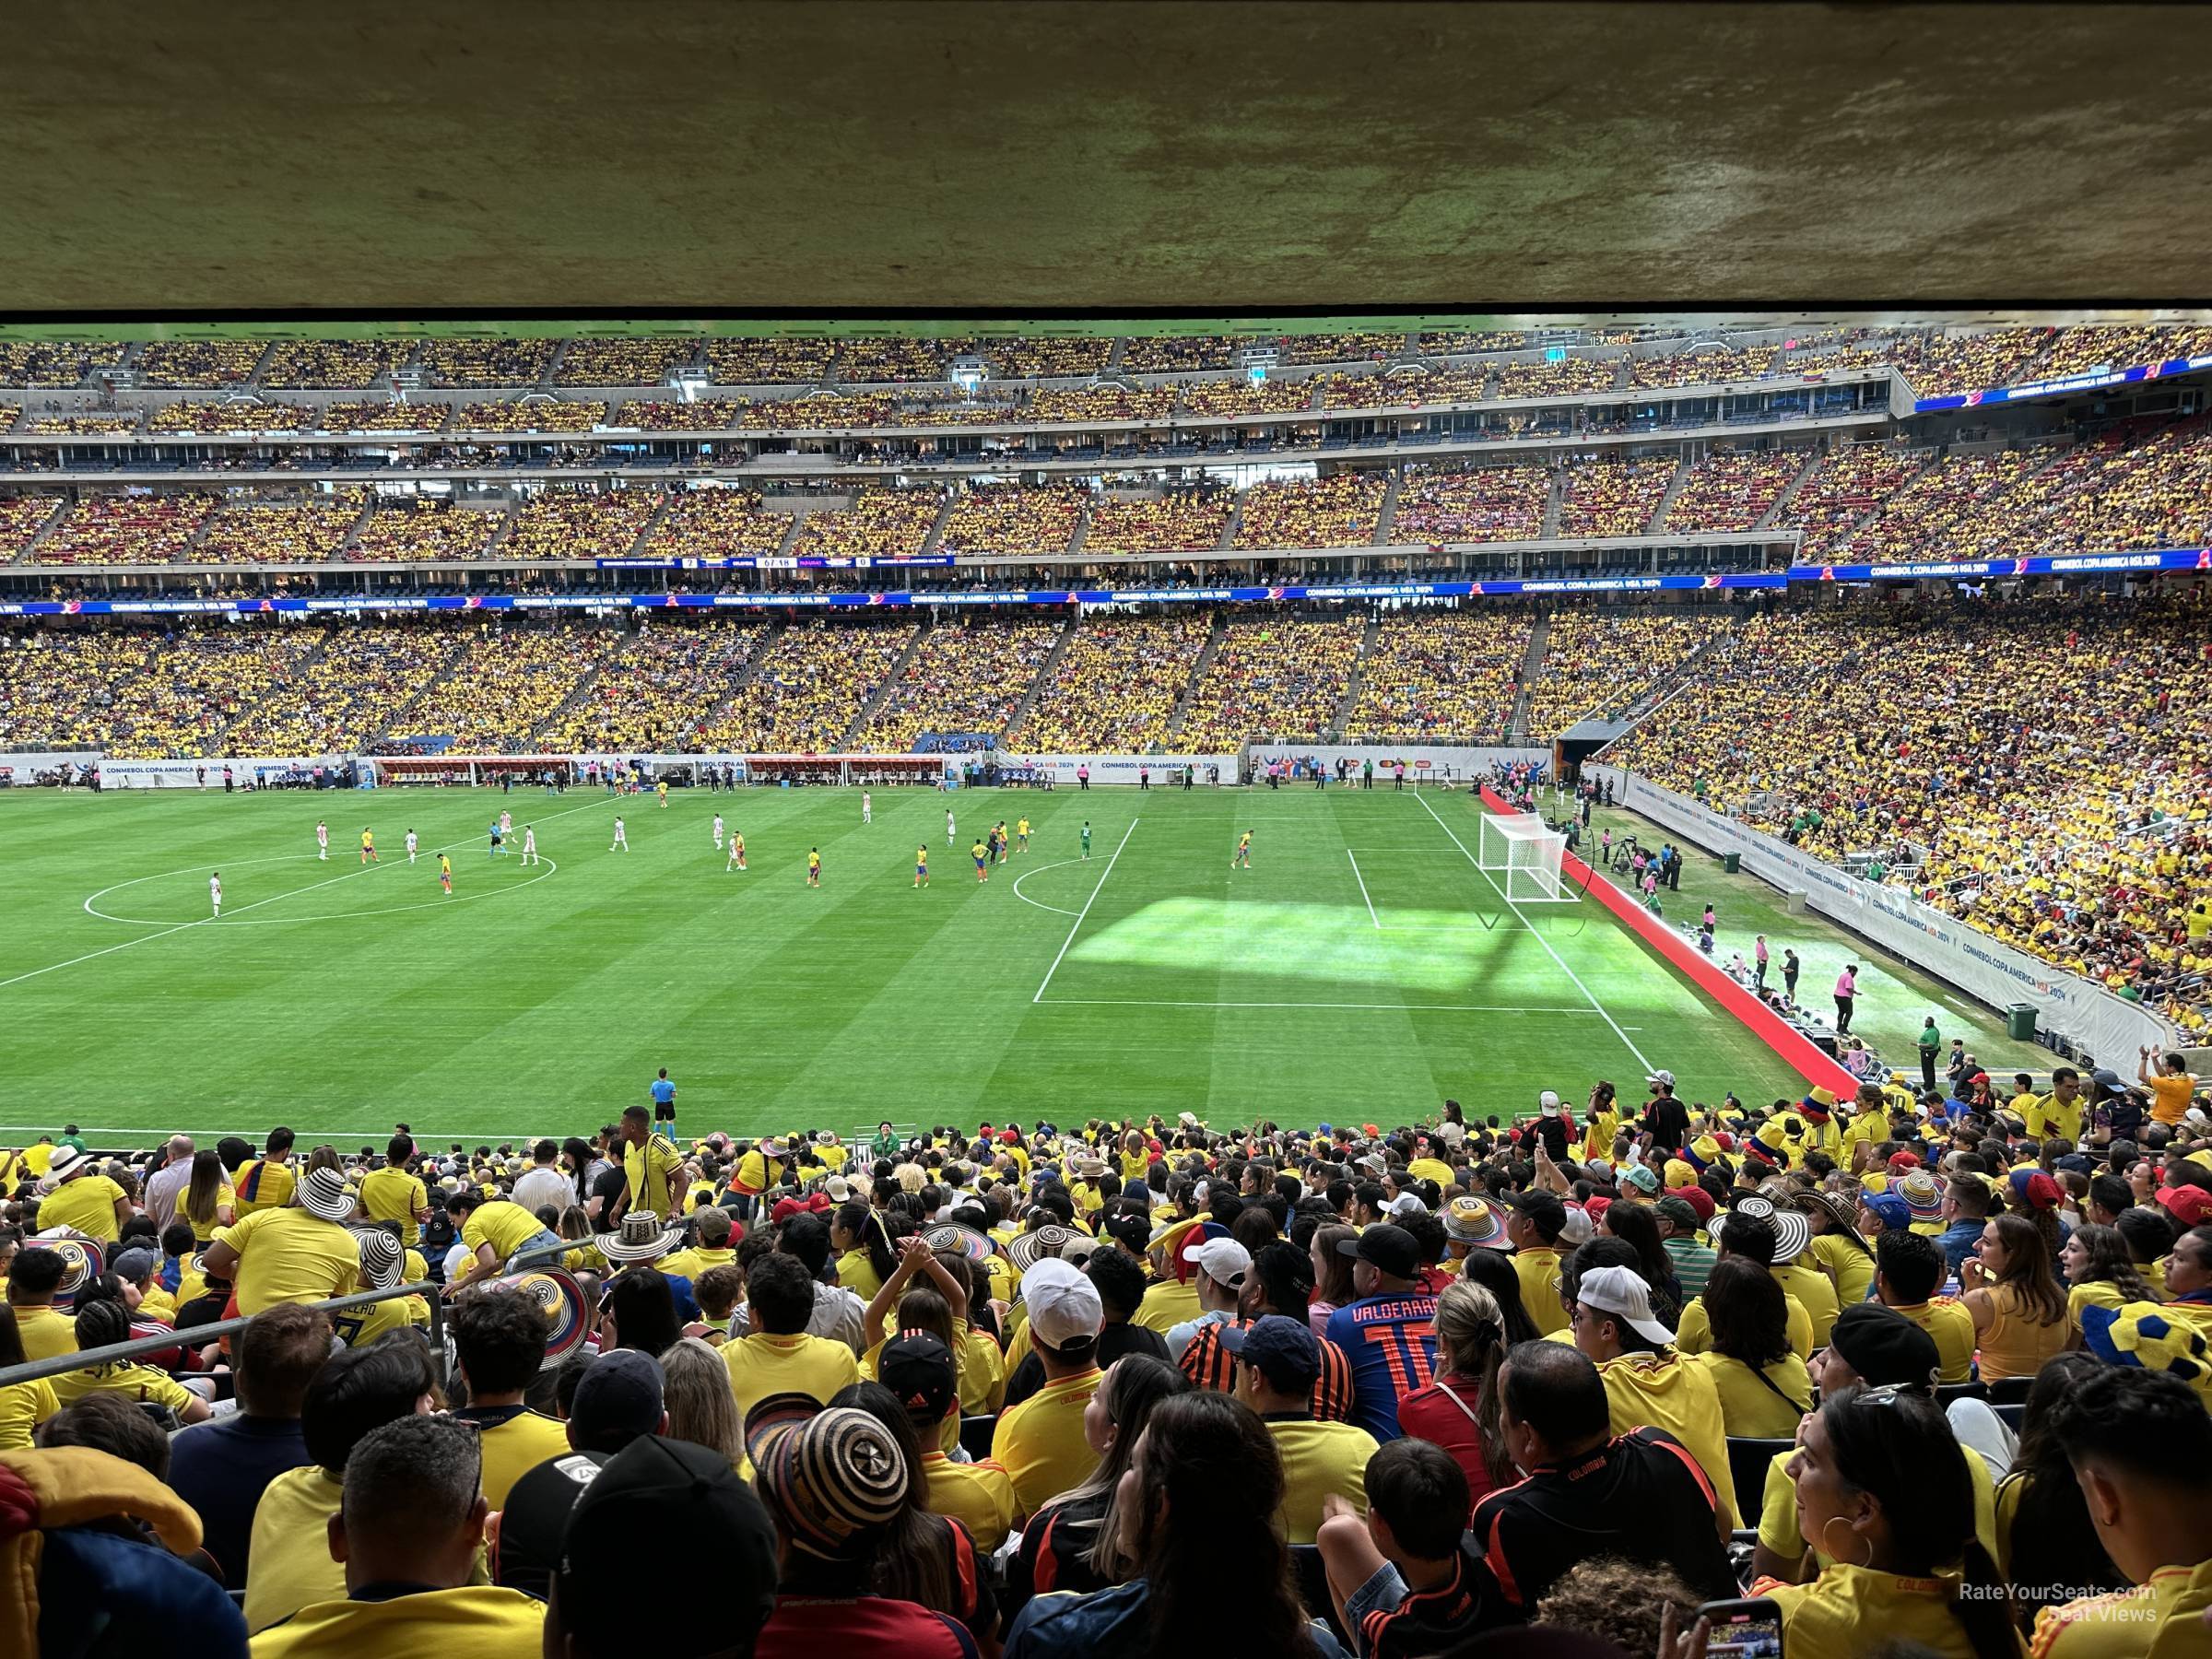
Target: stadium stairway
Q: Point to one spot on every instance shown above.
(747, 672)
(1357, 678)
(499, 535)
(1666, 501)
(1772, 517)
(1082, 534)
(1045, 672)
(654, 520)
(61, 507)
(353, 531)
(1554, 499)
(893, 676)
(577, 693)
(199, 532)
(1532, 665)
(403, 721)
(1229, 534)
(1384, 520)
(929, 545)
(1199, 671)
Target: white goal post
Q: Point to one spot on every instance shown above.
(1525, 851)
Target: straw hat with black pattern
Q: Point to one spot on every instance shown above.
(323, 1193)
(641, 1238)
(833, 1480)
(1030, 1247)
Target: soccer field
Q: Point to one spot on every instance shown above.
(1364, 968)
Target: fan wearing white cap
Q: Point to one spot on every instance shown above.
(1553, 1128)
(299, 1253)
(1222, 1264)
(81, 1199)
(1040, 1442)
(1648, 1383)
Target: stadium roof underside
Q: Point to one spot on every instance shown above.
(711, 158)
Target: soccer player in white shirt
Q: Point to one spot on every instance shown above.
(410, 846)
(321, 840)
(948, 826)
(506, 823)
(718, 832)
(621, 840)
(868, 807)
(215, 893)
(529, 844)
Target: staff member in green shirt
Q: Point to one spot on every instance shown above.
(1930, 1043)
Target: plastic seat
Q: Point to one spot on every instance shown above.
(2011, 1391)
(1947, 1392)
(975, 1436)
(1748, 1461)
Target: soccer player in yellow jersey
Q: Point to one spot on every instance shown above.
(368, 848)
(445, 873)
(1021, 832)
(1243, 858)
(661, 789)
(814, 866)
(921, 867)
(981, 854)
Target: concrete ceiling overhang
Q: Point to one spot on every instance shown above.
(1022, 158)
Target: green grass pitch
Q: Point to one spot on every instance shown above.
(1363, 969)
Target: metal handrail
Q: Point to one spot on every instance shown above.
(32, 1371)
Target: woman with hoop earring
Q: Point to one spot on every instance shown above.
(1883, 1495)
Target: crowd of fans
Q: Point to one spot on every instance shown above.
(1596, 663)
(266, 530)
(1607, 497)
(55, 363)
(1282, 680)
(384, 415)
(1013, 518)
(2056, 799)
(1704, 366)
(1847, 486)
(197, 363)
(2080, 350)
(232, 414)
(533, 415)
(961, 680)
(1403, 389)
(655, 688)
(414, 529)
(1236, 395)
(779, 361)
(1339, 510)
(621, 362)
(1439, 504)
(130, 529)
(506, 683)
(486, 362)
(1049, 355)
(717, 524)
(874, 359)
(343, 698)
(21, 518)
(1927, 1373)
(1562, 378)
(80, 426)
(1192, 519)
(1731, 489)
(1968, 505)
(809, 689)
(57, 688)
(204, 681)
(1445, 676)
(334, 364)
(880, 524)
(1115, 687)
(1940, 363)
(579, 523)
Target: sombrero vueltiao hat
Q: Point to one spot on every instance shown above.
(641, 1238)
(1030, 1247)
(1923, 1193)
(82, 1262)
(965, 1240)
(561, 1298)
(1468, 1220)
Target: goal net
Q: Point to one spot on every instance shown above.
(1524, 852)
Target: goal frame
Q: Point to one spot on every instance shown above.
(1527, 853)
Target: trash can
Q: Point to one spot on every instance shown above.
(2019, 1022)
(1732, 862)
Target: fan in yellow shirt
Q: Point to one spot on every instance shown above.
(777, 1356)
(101, 1325)
(84, 1201)
(411, 1520)
(395, 1193)
(499, 1339)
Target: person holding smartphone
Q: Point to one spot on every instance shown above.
(1882, 1493)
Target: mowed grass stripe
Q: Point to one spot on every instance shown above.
(547, 1007)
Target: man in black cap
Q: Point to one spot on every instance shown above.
(1389, 1333)
(706, 1527)
(919, 1369)
(620, 1399)
(523, 1539)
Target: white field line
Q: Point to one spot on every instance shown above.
(1642, 1058)
(1362, 881)
(1121, 1002)
(1085, 910)
(204, 921)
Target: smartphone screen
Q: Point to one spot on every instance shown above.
(1743, 1629)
